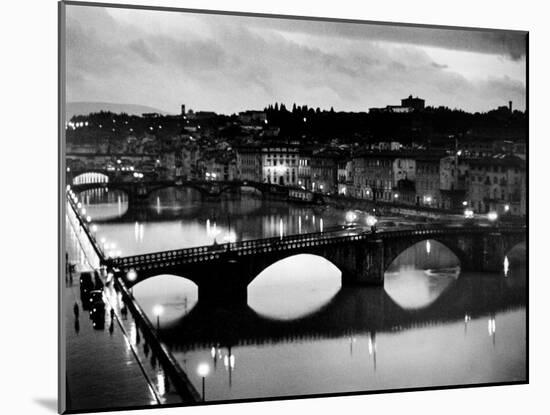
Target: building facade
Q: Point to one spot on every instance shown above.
(324, 171)
(497, 183)
(373, 175)
(249, 164)
(280, 164)
(428, 181)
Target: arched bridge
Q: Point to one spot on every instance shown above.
(139, 191)
(223, 272)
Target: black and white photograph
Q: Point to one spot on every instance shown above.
(263, 207)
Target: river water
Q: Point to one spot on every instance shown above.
(302, 331)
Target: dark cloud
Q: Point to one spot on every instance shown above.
(499, 42)
(439, 66)
(142, 49)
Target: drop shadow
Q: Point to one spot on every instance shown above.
(48, 403)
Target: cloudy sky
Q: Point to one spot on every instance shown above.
(232, 63)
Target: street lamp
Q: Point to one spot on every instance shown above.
(492, 216)
(351, 216)
(203, 371)
(131, 275)
(371, 220)
(157, 311)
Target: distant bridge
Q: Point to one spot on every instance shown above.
(138, 190)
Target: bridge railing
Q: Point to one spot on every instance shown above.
(310, 240)
(84, 226)
(213, 251)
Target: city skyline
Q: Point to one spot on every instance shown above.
(228, 64)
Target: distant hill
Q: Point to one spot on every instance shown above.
(85, 108)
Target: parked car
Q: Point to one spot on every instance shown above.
(98, 285)
(86, 282)
(98, 320)
(96, 305)
(95, 297)
(86, 286)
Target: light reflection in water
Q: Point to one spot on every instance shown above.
(321, 361)
(492, 326)
(506, 266)
(416, 278)
(101, 205)
(161, 386)
(177, 295)
(182, 217)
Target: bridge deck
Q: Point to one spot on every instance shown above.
(274, 244)
(331, 237)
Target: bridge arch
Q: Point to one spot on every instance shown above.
(239, 186)
(122, 187)
(429, 253)
(181, 186)
(393, 250)
(294, 287)
(176, 294)
(515, 247)
(176, 193)
(90, 177)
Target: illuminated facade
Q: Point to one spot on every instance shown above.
(280, 164)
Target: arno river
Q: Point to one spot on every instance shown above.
(302, 332)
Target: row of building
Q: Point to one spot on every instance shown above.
(415, 177)
(483, 181)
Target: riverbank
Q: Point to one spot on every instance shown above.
(114, 352)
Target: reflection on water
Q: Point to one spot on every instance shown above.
(412, 289)
(180, 218)
(176, 295)
(104, 204)
(268, 293)
(303, 333)
(418, 276)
